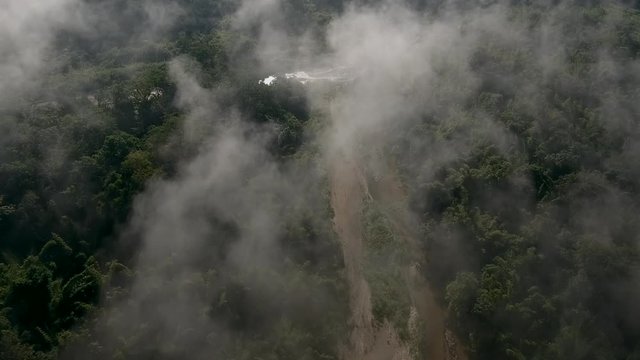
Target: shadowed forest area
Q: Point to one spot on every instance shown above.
(467, 186)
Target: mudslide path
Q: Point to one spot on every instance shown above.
(441, 342)
(368, 341)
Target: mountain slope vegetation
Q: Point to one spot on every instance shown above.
(158, 202)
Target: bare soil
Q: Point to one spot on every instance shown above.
(368, 341)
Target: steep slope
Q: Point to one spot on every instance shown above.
(441, 343)
(349, 189)
(367, 341)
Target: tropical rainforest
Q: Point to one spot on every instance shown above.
(319, 179)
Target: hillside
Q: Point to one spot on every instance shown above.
(319, 179)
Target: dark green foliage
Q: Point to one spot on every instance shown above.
(387, 258)
(105, 125)
(78, 295)
(29, 294)
(535, 243)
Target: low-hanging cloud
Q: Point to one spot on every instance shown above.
(408, 71)
(27, 32)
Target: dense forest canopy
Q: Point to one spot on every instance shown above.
(461, 176)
